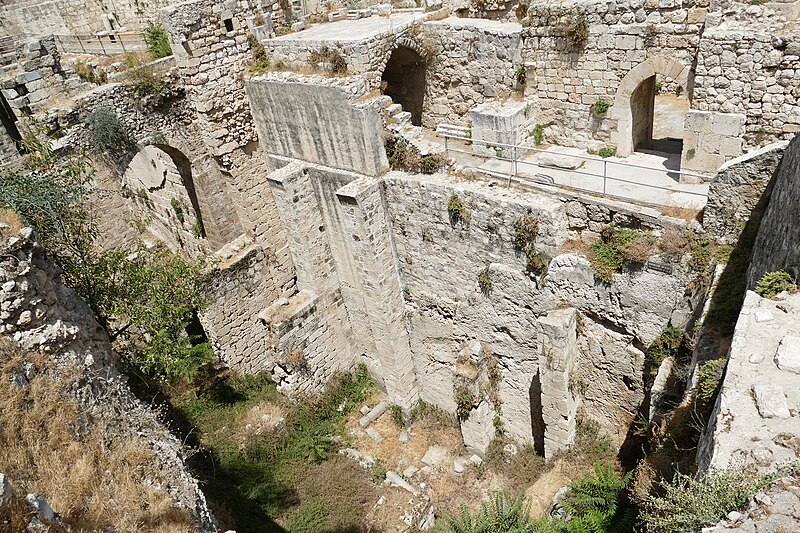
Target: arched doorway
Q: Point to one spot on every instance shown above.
(404, 80)
(635, 107)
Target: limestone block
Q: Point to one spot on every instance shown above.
(497, 122)
(770, 400)
(788, 354)
(728, 124)
(478, 430)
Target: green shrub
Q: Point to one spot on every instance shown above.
(709, 379)
(155, 37)
(538, 134)
(526, 228)
(521, 74)
(606, 152)
(396, 412)
(600, 107)
(578, 30)
(773, 283)
(597, 503)
(456, 211)
(666, 345)
(260, 60)
(465, 400)
(176, 206)
(691, 152)
(432, 163)
(607, 252)
(377, 472)
(108, 134)
(690, 503)
(485, 280)
(500, 515)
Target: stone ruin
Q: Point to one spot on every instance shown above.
(325, 252)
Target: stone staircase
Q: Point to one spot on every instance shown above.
(398, 121)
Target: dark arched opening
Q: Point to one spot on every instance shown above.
(9, 121)
(658, 116)
(404, 81)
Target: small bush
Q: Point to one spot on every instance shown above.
(87, 73)
(607, 252)
(538, 134)
(431, 416)
(334, 62)
(396, 412)
(502, 514)
(659, 86)
(709, 380)
(691, 152)
(485, 280)
(432, 163)
(639, 249)
(600, 107)
(108, 133)
(465, 400)
(141, 77)
(606, 152)
(597, 503)
(773, 283)
(526, 228)
(377, 472)
(155, 37)
(176, 206)
(456, 211)
(690, 503)
(521, 75)
(666, 345)
(260, 63)
(578, 30)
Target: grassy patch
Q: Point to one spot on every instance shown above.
(292, 475)
(773, 283)
(609, 252)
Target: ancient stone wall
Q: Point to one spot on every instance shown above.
(777, 245)
(76, 17)
(440, 263)
(482, 55)
(40, 313)
(568, 78)
(750, 67)
(737, 188)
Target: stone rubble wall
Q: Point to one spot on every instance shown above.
(567, 81)
(777, 245)
(76, 17)
(37, 312)
(750, 67)
(482, 55)
(755, 419)
(38, 77)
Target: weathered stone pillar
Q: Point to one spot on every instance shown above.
(556, 360)
(366, 221)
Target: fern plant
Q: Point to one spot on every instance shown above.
(596, 503)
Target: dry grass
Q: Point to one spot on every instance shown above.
(639, 249)
(49, 445)
(10, 223)
(684, 213)
(577, 247)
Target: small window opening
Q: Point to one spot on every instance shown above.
(228, 24)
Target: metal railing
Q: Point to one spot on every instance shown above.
(514, 155)
(103, 43)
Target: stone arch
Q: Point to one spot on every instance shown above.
(403, 77)
(637, 88)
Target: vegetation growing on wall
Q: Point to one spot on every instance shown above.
(331, 59)
(616, 247)
(538, 134)
(600, 107)
(526, 228)
(775, 282)
(456, 211)
(259, 60)
(145, 299)
(667, 344)
(108, 134)
(155, 37)
(485, 282)
(406, 157)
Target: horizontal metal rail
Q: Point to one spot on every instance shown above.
(515, 160)
(104, 43)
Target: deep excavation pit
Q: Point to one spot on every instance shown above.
(324, 268)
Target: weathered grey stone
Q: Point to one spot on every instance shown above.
(788, 355)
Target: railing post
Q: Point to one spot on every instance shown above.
(103, 48)
(121, 42)
(605, 175)
(514, 159)
(80, 42)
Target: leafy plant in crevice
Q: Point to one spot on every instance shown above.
(600, 107)
(521, 74)
(773, 283)
(108, 134)
(259, 60)
(155, 37)
(526, 228)
(608, 255)
(465, 399)
(432, 163)
(331, 58)
(577, 30)
(176, 207)
(667, 344)
(607, 152)
(538, 134)
(598, 502)
(457, 212)
(485, 282)
(396, 414)
(709, 380)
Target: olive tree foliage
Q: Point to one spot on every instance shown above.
(144, 298)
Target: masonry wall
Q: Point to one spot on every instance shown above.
(751, 69)
(777, 245)
(439, 264)
(76, 17)
(568, 79)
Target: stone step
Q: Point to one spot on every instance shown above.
(402, 118)
(394, 109)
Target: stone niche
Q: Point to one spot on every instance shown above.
(496, 122)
